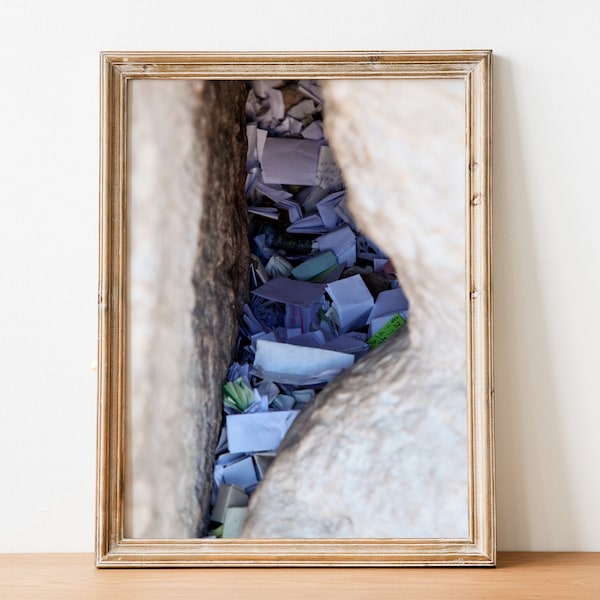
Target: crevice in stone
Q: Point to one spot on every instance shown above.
(382, 452)
(220, 276)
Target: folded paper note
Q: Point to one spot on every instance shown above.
(342, 242)
(228, 458)
(258, 432)
(310, 224)
(274, 192)
(256, 144)
(387, 331)
(347, 343)
(277, 266)
(352, 302)
(314, 131)
(327, 209)
(290, 161)
(234, 521)
(389, 302)
(329, 175)
(263, 461)
(304, 319)
(283, 402)
(312, 89)
(289, 291)
(309, 197)
(312, 339)
(304, 108)
(228, 496)
(241, 473)
(270, 212)
(237, 395)
(315, 266)
(287, 363)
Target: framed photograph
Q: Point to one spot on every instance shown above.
(295, 310)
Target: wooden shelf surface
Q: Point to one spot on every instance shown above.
(519, 575)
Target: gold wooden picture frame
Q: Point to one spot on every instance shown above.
(113, 547)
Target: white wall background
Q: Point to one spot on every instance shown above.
(547, 245)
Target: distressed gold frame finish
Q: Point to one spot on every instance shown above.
(112, 549)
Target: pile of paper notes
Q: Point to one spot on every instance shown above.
(322, 294)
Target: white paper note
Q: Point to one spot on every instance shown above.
(309, 224)
(258, 432)
(270, 212)
(235, 516)
(303, 109)
(274, 192)
(327, 209)
(329, 175)
(241, 473)
(312, 339)
(290, 161)
(389, 302)
(353, 302)
(288, 363)
(312, 89)
(314, 131)
(228, 496)
(348, 344)
(290, 291)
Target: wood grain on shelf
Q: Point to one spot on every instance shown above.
(519, 575)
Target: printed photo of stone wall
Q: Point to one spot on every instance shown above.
(296, 287)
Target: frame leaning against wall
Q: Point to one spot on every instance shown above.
(115, 550)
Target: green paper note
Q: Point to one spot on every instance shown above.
(387, 331)
(315, 266)
(237, 395)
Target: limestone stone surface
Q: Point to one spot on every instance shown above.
(188, 264)
(382, 452)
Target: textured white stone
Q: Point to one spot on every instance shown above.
(382, 452)
(188, 269)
